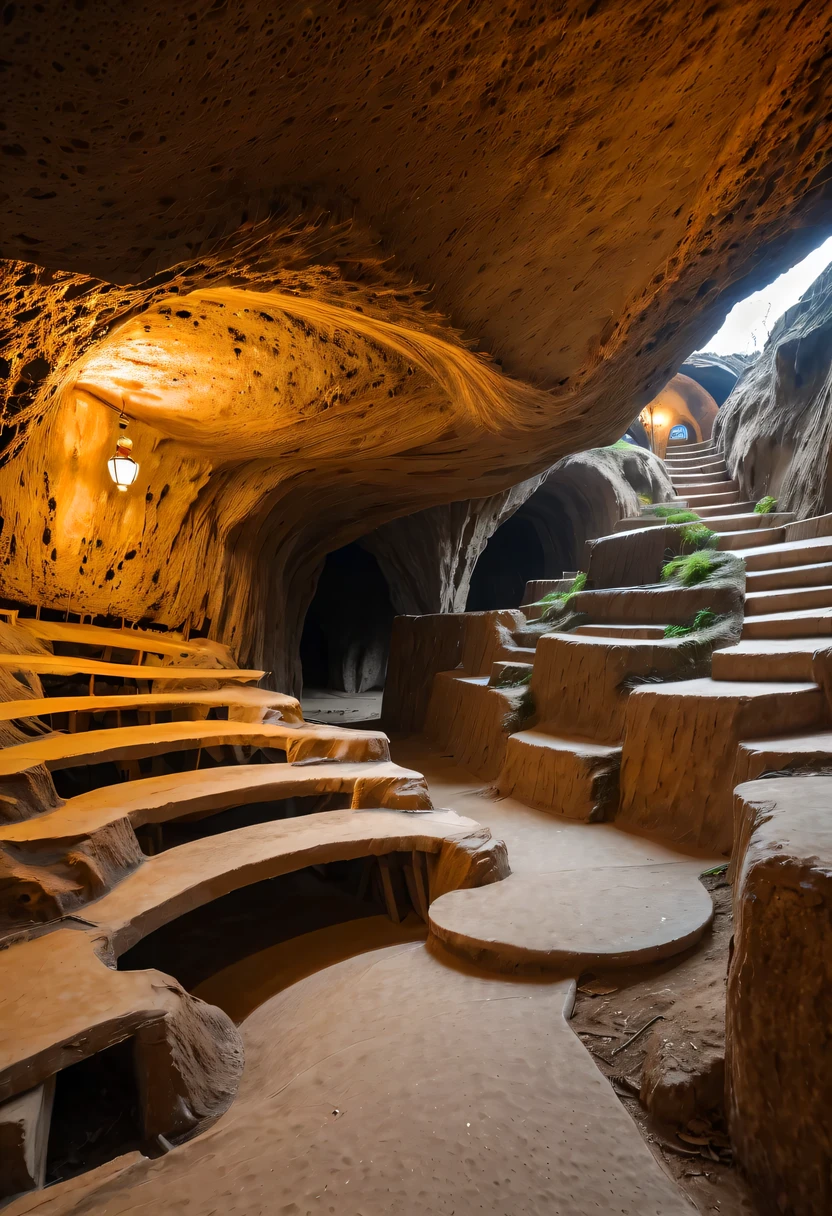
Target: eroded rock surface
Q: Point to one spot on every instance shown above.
(776, 427)
(718, 374)
(240, 270)
(777, 1032)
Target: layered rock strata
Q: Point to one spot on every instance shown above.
(778, 1051)
(250, 304)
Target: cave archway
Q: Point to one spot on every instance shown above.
(346, 634)
(512, 557)
(683, 405)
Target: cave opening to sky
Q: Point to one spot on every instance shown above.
(746, 329)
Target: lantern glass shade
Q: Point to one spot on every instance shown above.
(123, 470)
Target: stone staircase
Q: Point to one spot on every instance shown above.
(761, 707)
(619, 731)
(580, 681)
(681, 759)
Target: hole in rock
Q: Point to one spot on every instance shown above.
(159, 837)
(346, 639)
(749, 323)
(513, 556)
(723, 360)
(95, 1116)
(211, 938)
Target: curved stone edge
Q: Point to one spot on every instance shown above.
(55, 864)
(513, 957)
(124, 743)
(63, 1003)
(460, 854)
(778, 1048)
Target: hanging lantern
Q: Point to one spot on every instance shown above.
(122, 467)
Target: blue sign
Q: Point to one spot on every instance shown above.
(679, 432)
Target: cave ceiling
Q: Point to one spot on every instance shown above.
(339, 262)
(552, 172)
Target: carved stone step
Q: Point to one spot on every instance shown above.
(742, 539)
(786, 752)
(813, 574)
(790, 553)
(790, 599)
(575, 778)
(680, 747)
(707, 499)
(809, 622)
(689, 486)
(619, 631)
(767, 659)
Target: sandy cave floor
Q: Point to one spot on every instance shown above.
(687, 990)
(341, 708)
(383, 1075)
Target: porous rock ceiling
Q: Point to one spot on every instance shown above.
(364, 192)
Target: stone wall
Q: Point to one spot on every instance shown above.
(776, 426)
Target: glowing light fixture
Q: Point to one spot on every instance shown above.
(122, 467)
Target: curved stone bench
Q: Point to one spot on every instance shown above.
(122, 743)
(61, 1003)
(56, 862)
(208, 791)
(167, 886)
(64, 665)
(145, 641)
(244, 704)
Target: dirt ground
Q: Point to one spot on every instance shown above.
(341, 708)
(681, 1052)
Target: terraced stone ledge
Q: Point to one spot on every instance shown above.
(63, 1000)
(779, 1043)
(57, 862)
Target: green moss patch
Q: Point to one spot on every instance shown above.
(766, 505)
(691, 568)
(703, 620)
(698, 536)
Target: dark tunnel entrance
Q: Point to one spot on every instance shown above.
(346, 635)
(513, 556)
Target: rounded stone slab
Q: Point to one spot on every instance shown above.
(574, 919)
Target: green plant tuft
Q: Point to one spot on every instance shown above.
(692, 568)
(507, 680)
(556, 601)
(645, 500)
(703, 620)
(674, 515)
(698, 536)
(765, 505)
(578, 584)
(621, 445)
